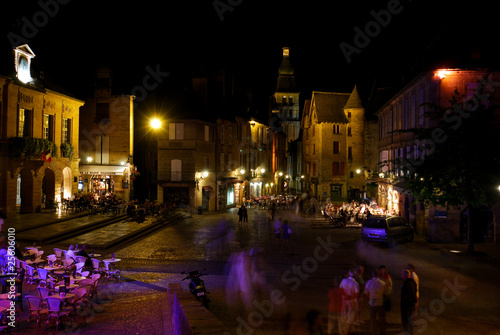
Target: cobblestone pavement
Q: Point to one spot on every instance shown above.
(136, 305)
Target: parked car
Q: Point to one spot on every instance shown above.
(387, 229)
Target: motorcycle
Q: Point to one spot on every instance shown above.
(197, 286)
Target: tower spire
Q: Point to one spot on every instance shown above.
(286, 77)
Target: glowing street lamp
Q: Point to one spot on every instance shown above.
(155, 123)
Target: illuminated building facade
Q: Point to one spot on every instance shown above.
(333, 146)
(39, 128)
(107, 141)
(408, 110)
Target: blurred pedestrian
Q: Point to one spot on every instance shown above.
(359, 277)
(273, 210)
(335, 294)
(383, 275)
(277, 231)
(375, 290)
(414, 275)
(240, 214)
(350, 290)
(408, 301)
(245, 214)
(285, 232)
(411, 268)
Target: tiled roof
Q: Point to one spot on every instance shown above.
(354, 100)
(330, 106)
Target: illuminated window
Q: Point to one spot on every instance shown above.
(176, 131)
(48, 127)
(24, 125)
(66, 130)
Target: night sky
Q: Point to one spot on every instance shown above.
(182, 37)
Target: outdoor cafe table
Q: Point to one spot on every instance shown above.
(66, 296)
(70, 287)
(36, 262)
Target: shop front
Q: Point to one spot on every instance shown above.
(104, 180)
(228, 193)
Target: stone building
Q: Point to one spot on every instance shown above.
(228, 175)
(39, 128)
(404, 111)
(107, 141)
(333, 126)
(186, 161)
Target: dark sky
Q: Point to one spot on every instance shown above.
(181, 36)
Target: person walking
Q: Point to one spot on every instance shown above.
(359, 277)
(285, 232)
(383, 275)
(240, 214)
(335, 294)
(349, 311)
(277, 231)
(408, 301)
(273, 210)
(375, 289)
(414, 275)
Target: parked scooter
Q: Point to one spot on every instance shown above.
(197, 286)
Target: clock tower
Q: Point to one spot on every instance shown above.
(286, 99)
(22, 57)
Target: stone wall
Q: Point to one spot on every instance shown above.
(189, 317)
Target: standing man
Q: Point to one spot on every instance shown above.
(411, 268)
(408, 301)
(349, 312)
(334, 307)
(375, 289)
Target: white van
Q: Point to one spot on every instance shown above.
(386, 228)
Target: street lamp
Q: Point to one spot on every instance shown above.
(155, 123)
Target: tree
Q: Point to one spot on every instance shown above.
(458, 163)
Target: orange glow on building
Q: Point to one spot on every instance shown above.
(441, 74)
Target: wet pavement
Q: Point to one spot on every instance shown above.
(211, 241)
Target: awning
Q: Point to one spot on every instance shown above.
(96, 169)
(207, 188)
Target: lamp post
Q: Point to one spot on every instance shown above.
(155, 124)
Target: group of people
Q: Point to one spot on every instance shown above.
(348, 296)
(351, 212)
(242, 214)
